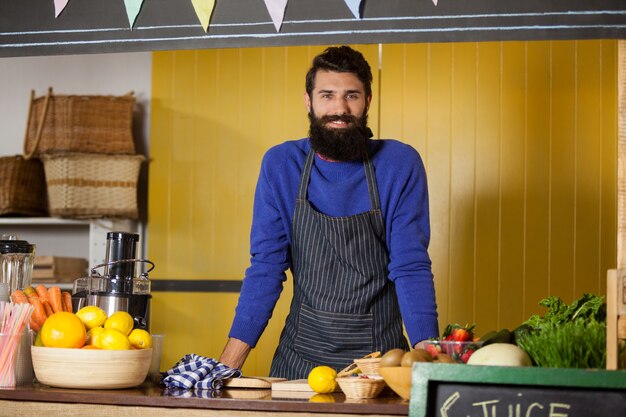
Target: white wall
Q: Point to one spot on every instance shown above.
(104, 74)
(115, 74)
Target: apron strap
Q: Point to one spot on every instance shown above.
(370, 175)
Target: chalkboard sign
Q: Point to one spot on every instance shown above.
(29, 27)
(451, 390)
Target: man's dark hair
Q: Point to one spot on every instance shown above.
(341, 59)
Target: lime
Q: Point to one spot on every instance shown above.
(121, 321)
(140, 339)
(321, 379)
(92, 316)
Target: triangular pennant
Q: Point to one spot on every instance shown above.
(204, 10)
(132, 10)
(435, 1)
(354, 5)
(277, 11)
(59, 5)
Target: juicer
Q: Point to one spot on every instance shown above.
(118, 288)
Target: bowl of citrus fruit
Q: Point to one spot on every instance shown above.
(90, 350)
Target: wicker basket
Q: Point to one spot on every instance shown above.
(361, 387)
(22, 187)
(92, 185)
(84, 124)
(369, 366)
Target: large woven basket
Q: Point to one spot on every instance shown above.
(92, 185)
(83, 124)
(22, 187)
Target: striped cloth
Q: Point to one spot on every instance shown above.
(198, 372)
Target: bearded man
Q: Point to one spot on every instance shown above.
(349, 216)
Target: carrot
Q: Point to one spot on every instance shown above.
(42, 291)
(18, 297)
(47, 308)
(67, 301)
(55, 299)
(39, 314)
(30, 293)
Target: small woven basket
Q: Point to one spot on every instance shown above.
(83, 124)
(22, 187)
(87, 186)
(368, 366)
(358, 387)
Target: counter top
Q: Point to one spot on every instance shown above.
(33, 399)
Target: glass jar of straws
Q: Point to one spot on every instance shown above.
(13, 320)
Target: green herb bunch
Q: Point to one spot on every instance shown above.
(567, 336)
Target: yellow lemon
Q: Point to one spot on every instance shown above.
(112, 339)
(140, 339)
(92, 316)
(121, 321)
(94, 336)
(321, 379)
(63, 330)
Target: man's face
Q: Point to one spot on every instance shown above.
(338, 114)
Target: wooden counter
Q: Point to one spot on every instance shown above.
(153, 401)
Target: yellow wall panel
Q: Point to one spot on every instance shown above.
(518, 138)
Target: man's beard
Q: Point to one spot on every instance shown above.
(339, 144)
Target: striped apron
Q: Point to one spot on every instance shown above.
(343, 305)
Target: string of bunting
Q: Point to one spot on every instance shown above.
(204, 10)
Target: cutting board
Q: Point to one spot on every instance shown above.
(252, 382)
(298, 385)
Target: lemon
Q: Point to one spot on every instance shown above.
(121, 321)
(140, 339)
(63, 330)
(92, 316)
(112, 339)
(321, 379)
(94, 336)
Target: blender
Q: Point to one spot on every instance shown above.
(118, 288)
(17, 258)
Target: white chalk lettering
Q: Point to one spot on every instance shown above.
(484, 405)
(530, 408)
(554, 413)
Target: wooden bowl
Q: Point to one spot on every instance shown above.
(398, 378)
(90, 368)
(358, 387)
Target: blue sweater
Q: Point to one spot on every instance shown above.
(340, 189)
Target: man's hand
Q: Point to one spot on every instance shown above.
(235, 353)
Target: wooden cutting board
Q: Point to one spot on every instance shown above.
(298, 385)
(252, 382)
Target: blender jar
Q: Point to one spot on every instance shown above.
(17, 258)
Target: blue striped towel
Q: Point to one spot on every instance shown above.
(199, 372)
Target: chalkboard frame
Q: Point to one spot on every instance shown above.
(29, 27)
(428, 377)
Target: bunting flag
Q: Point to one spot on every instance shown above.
(132, 10)
(59, 5)
(277, 11)
(354, 6)
(435, 1)
(204, 10)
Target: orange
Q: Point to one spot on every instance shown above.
(63, 330)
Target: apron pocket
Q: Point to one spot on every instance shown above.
(333, 339)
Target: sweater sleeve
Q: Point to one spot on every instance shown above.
(263, 281)
(409, 235)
